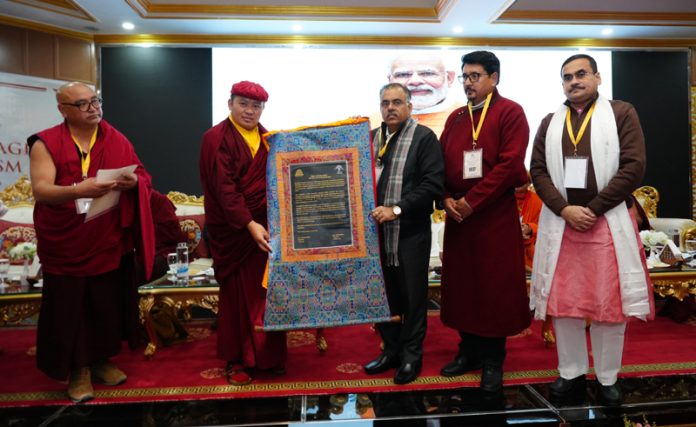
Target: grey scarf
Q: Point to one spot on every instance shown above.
(394, 176)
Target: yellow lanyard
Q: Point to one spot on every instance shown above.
(476, 132)
(384, 147)
(85, 159)
(576, 139)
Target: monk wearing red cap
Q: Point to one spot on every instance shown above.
(233, 175)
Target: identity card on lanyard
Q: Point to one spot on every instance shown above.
(82, 204)
(576, 167)
(473, 159)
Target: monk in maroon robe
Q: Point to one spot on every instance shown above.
(233, 175)
(484, 294)
(88, 266)
(168, 234)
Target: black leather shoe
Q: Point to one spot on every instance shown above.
(381, 364)
(492, 378)
(459, 366)
(407, 372)
(609, 395)
(564, 389)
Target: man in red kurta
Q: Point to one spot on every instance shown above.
(484, 294)
(88, 266)
(233, 174)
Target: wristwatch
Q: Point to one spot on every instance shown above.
(397, 210)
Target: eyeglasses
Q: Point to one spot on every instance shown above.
(474, 77)
(84, 105)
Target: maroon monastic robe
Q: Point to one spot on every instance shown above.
(234, 185)
(89, 301)
(67, 244)
(167, 229)
(483, 276)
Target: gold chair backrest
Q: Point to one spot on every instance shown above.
(648, 197)
(179, 198)
(18, 194)
(689, 234)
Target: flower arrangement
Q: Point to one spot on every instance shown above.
(23, 251)
(645, 423)
(652, 238)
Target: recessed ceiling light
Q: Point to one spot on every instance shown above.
(128, 26)
(297, 27)
(458, 29)
(607, 31)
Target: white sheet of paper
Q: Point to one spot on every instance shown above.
(575, 172)
(102, 204)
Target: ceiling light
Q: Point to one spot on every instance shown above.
(607, 31)
(297, 28)
(128, 26)
(458, 29)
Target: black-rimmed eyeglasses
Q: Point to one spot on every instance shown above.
(84, 105)
(474, 77)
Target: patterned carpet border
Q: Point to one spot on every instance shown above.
(325, 387)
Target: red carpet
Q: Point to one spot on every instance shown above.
(190, 370)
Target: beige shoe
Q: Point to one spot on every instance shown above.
(80, 386)
(107, 373)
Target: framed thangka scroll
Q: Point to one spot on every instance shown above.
(324, 269)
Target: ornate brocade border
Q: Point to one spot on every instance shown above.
(693, 151)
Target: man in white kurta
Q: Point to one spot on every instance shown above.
(588, 158)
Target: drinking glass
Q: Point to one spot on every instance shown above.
(173, 262)
(4, 268)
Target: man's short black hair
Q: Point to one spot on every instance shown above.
(486, 59)
(593, 63)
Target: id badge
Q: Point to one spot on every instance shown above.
(473, 164)
(82, 205)
(576, 172)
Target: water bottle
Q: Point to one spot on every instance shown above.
(182, 271)
(675, 236)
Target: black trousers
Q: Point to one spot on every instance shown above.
(487, 350)
(407, 293)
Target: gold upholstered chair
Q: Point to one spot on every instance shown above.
(648, 197)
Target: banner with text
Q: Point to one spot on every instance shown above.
(28, 106)
(324, 269)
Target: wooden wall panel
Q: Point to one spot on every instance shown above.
(12, 50)
(74, 59)
(40, 54)
(45, 54)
